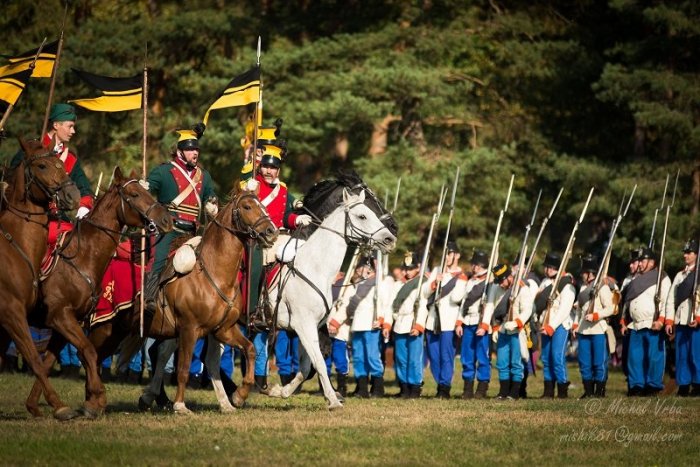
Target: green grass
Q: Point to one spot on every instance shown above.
(300, 431)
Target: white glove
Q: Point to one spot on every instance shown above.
(510, 326)
(82, 212)
(211, 208)
(144, 184)
(302, 220)
(252, 185)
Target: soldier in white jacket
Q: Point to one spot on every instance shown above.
(680, 309)
(442, 315)
(555, 326)
(590, 325)
(511, 344)
(647, 354)
(408, 326)
(473, 330)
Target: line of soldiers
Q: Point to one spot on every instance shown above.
(514, 322)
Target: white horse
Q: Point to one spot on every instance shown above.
(302, 294)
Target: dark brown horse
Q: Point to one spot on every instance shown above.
(71, 290)
(39, 179)
(205, 301)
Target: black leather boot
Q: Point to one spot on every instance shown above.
(504, 390)
(684, 390)
(548, 390)
(261, 382)
(588, 389)
(414, 391)
(695, 391)
(599, 388)
(361, 389)
(150, 290)
(342, 384)
(514, 390)
(563, 390)
(481, 389)
(403, 391)
(286, 379)
(443, 392)
(468, 392)
(377, 386)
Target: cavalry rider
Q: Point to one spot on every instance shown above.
(273, 194)
(409, 325)
(646, 355)
(679, 308)
(511, 340)
(442, 315)
(555, 331)
(187, 190)
(473, 331)
(590, 326)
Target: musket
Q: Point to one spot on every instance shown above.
(385, 264)
(660, 265)
(493, 257)
(396, 195)
(695, 294)
(443, 256)
(554, 293)
(605, 261)
(9, 108)
(656, 214)
(521, 259)
(428, 242)
(539, 234)
(348, 276)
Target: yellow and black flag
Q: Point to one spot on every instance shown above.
(118, 94)
(242, 90)
(11, 88)
(44, 63)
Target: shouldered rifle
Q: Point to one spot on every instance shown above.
(656, 214)
(443, 256)
(521, 259)
(660, 264)
(378, 274)
(428, 242)
(494, 253)
(385, 264)
(564, 261)
(539, 235)
(602, 272)
(348, 277)
(695, 294)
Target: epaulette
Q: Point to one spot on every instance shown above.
(283, 184)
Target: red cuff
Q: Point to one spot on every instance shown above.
(595, 317)
(292, 221)
(458, 323)
(519, 323)
(386, 326)
(669, 322)
(549, 330)
(419, 328)
(380, 320)
(574, 326)
(622, 322)
(87, 201)
(334, 323)
(496, 328)
(433, 286)
(697, 319)
(484, 326)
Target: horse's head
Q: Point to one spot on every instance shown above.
(138, 205)
(45, 177)
(250, 217)
(363, 225)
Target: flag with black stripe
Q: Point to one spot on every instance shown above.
(118, 94)
(44, 63)
(11, 88)
(242, 90)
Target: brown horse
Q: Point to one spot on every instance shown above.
(39, 180)
(71, 290)
(205, 301)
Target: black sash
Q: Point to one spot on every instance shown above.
(531, 276)
(684, 290)
(363, 289)
(404, 292)
(541, 298)
(584, 295)
(639, 285)
(446, 289)
(474, 294)
(501, 310)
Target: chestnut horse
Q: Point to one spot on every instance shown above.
(32, 186)
(205, 301)
(72, 289)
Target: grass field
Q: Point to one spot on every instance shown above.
(300, 431)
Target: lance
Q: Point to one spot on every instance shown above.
(660, 265)
(99, 182)
(144, 104)
(443, 256)
(10, 107)
(54, 73)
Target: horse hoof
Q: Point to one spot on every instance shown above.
(180, 409)
(237, 401)
(143, 405)
(275, 391)
(340, 397)
(89, 413)
(335, 406)
(227, 409)
(65, 413)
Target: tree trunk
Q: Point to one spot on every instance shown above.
(380, 135)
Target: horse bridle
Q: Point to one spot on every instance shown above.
(50, 192)
(149, 223)
(240, 227)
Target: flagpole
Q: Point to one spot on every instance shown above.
(256, 116)
(143, 175)
(54, 72)
(10, 107)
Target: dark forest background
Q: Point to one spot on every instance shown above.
(562, 94)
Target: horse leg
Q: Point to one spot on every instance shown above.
(155, 387)
(129, 346)
(308, 338)
(95, 398)
(235, 338)
(18, 329)
(56, 343)
(213, 363)
(188, 337)
(301, 376)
